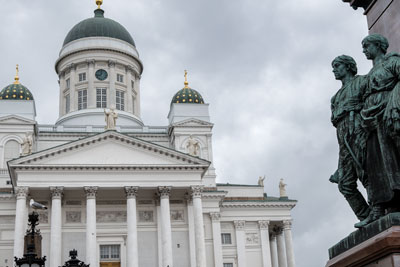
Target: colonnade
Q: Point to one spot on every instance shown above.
(132, 241)
(276, 248)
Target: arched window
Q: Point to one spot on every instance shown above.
(11, 151)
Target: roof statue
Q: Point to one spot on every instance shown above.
(282, 189)
(110, 118)
(261, 180)
(26, 146)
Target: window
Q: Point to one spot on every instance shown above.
(101, 97)
(109, 252)
(132, 84)
(226, 239)
(82, 99)
(120, 100)
(82, 76)
(11, 151)
(67, 83)
(228, 264)
(133, 104)
(67, 103)
(120, 78)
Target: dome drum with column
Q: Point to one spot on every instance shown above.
(99, 67)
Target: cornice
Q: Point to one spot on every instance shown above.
(257, 205)
(110, 167)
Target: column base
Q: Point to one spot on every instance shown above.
(378, 244)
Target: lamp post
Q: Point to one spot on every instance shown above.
(74, 262)
(30, 258)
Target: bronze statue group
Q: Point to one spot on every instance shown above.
(366, 114)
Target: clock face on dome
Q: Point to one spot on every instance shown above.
(101, 74)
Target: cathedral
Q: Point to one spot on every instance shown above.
(120, 192)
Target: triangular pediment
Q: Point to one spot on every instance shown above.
(109, 149)
(15, 119)
(192, 123)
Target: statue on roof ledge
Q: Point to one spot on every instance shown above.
(111, 118)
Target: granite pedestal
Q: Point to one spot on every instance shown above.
(377, 244)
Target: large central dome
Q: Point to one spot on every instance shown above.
(99, 26)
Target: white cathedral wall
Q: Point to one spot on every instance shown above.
(147, 244)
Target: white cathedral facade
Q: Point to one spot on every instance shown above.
(120, 192)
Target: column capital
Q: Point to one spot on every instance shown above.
(164, 191)
(287, 225)
(90, 62)
(240, 225)
(196, 191)
(91, 191)
(215, 216)
(131, 191)
(111, 63)
(56, 192)
(21, 191)
(72, 67)
(263, 225)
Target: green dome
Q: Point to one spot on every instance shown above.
(15, 92)
(187, 95)
(99, 26)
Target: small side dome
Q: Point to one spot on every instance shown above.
(16, 91)
(187, 95)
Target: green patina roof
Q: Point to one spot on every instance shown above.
(99, 26)
(187, 96)
(15, 92)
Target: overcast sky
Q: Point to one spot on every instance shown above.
(262, 65)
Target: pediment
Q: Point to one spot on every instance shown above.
(15, 119)
(109, 149)
(192, 123)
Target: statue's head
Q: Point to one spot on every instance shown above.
(344, 65)
(374, 44)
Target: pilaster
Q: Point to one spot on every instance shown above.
(216, 228)
(240, 242)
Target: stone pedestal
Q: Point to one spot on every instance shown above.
(378, 244)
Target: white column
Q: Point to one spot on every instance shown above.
(55, 229)
(280, 240)
(192, 239)
(166, 235)
(91, 90)
(216, 228)
(287, 225)
(266, 251)
(91, 250)
(241, 242)
(274, 250)
(112, 78)
(199, 226)
(132, 242)
(21, 193)
(159, 234)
